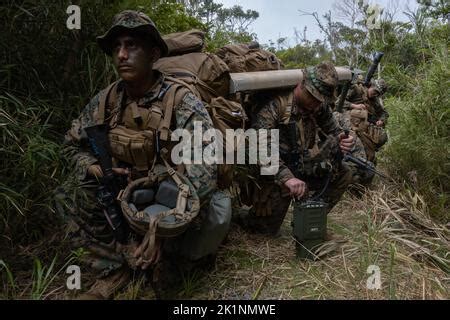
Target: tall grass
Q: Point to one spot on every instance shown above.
(419, 127)
(43, 279)
(31, 166)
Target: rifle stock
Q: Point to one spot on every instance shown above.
(110, 185)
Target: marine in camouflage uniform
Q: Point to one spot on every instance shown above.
(359, 176)
(360, 97)
(89, 228)
(304, 118)
(371, 97)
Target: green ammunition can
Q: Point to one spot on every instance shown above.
(309, 226)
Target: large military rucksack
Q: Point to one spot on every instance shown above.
(248, 58)
(185, 42)
(207, 75)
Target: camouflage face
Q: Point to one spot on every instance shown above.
(321, 82)
(132, 58)
(134, 22)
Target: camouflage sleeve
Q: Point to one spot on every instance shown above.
(347, 105)
(268, 117)
(351, 96)
(76, 147)
(203, 176)
(382, 114)
(327, 122)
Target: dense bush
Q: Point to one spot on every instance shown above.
(419, 150)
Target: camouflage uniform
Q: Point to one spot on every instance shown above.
(89, 228)
(364, 148)
(359, 176)
(358, 94)
(308, 128)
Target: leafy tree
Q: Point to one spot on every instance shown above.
(224, 25)
(438, 9)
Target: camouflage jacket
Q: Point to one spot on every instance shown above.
(191, 109)
(358, 95)
(269, 115)
(344, 121)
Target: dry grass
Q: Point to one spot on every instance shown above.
(385, 227)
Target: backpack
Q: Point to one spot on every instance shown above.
(185, 42)
(207, 75)
(248, 58)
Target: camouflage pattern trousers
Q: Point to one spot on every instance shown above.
(87, 228)
(278, 200)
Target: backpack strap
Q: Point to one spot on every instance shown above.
(108, 95)
(184, 83)
(171, 99)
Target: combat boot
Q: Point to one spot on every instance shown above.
(166, 279)
(105, 288)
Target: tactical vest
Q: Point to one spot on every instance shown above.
(316, 151)
(306, 138)
(134, 128)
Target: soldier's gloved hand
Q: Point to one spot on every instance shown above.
(297, 188)
(96, 171)
(359, 106)
(380, 123)
(346, 143)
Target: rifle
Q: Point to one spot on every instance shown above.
(110, 184)
(365, 165)
(346, 88)
(373, 67)
(292, 158)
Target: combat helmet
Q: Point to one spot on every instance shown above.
(168, 206)
(133, 21)
(321, 81)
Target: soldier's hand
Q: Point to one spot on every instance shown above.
(380, 123)
(297, 188)
(96, 171)
(359, 106)
(346, 142)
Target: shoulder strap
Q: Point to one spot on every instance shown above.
(108, 95)
(171, 98)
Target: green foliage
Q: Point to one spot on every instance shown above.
(419, 150)
(9, 287)
(223, 25)
(43, 278)
(301, 56)
(47, 74)
(438, 9)
(30, 167)
(169, 16)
